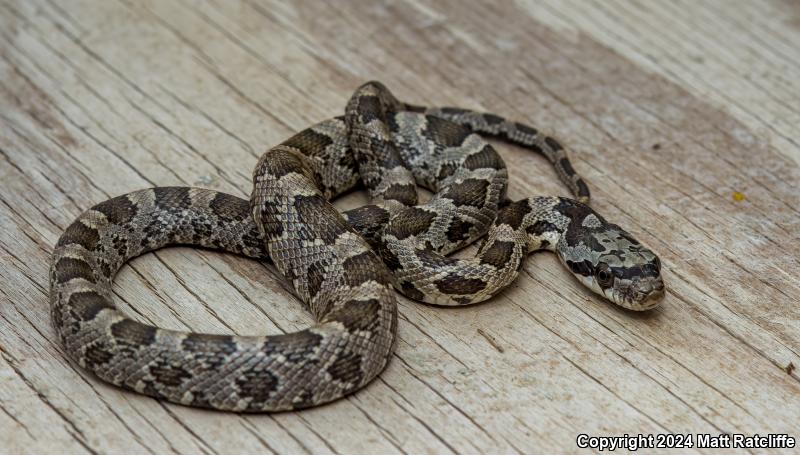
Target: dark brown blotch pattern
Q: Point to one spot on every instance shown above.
(405, 193)
(566, 166)
(173, 197)
(470, 192)
(279, 162)
(583, 190)
(446, 170)
(84, 306)
(553, 144)
(271, 224)
(525, 129)
(358, 315)
(368, 220)
(445, 133)
(209, 343)
(133, 333)
(79, 234)
(369, 108)
(540, 227)
(492, 119)
(169, 374)
(347, 369)
(457, 285)
(309, 142)
(576, 212)
(410, 222)
(258, 385)
(319, 219)
(513, 214)
(432, 260)
(364, 267)
(458, 230)
(498, 254)
(453, 111)
(387, 256)
(229, 208)
(409, 290)
(487, 157)
(315, 276)
(96, 355)
(118, 210)
(70, 268)
(294, 346)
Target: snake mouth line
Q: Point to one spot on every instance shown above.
(645, 299)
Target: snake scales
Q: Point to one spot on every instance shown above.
(335, 261)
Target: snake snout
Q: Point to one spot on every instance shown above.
(652, 299)
(646, 293)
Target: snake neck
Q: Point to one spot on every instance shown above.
(548, 222)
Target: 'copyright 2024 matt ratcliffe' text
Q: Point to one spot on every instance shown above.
(686, 440)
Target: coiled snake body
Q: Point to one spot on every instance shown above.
(342, 266)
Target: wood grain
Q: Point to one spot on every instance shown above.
(670, 108)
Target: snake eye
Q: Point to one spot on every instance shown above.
(604, 275)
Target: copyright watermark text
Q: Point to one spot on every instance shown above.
(686, 440)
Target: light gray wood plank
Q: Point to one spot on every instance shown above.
(669, 108)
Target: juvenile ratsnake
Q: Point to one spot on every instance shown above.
(342, 266)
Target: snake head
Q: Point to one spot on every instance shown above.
(610, 262)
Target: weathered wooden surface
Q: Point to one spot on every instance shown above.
(670, 108)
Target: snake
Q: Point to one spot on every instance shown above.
(344, 267)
